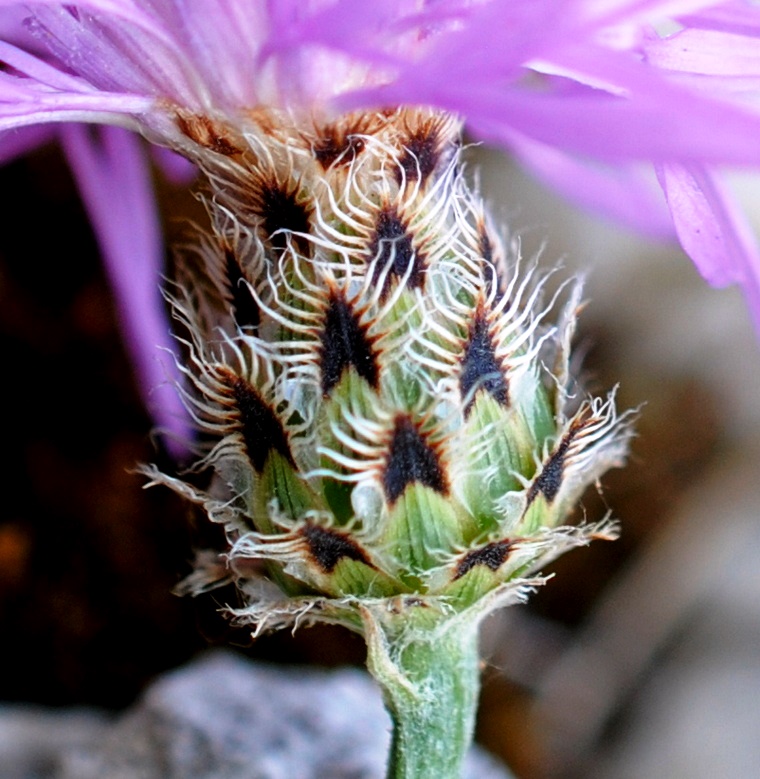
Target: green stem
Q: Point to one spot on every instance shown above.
(430, 681)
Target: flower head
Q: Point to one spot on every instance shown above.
(391, 438)
(582, 91)
(387, 411)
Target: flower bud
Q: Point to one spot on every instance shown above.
(385, 403)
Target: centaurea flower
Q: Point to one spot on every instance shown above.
(394, 436)
(582, 92)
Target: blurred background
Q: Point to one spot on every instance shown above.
(640, 659)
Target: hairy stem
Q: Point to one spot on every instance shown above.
(430, 683)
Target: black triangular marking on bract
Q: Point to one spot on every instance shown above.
(245, 310)
(337, 147)
(481, 368)
(392, 248)
(260, 428)
(421, 154)
(344, 343)
(281, 213)
(411, 459)
(328, 547)
(549, 481)
(491, 555)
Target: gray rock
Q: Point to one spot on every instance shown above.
(227, 718)
(32, 739)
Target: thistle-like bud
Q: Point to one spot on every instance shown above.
(385, 407)
(385, 403)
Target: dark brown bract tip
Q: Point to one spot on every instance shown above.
(491, 555)
(259, 426)
(282, 213)
(208, 133)
(549, 481)
(245, 309)
(328, 547)
(481, 367)
(392, 252)
(344, 343)
(339, 144)
(412, 458)
(423, 150)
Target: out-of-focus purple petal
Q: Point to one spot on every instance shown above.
(708, 52)
(626, 193)
(317, 50)
(116, 110)
(177, 169)
(126, 10)
(14, 143)
(639, 114)
(221, 39)
(737, 16)
(611, 12)
(713, 230)
(113, 55)
(595, 125)
(559, 81)
(48, 94)
(113, 175)
(42, 72)
(358, 29)
(11, 25)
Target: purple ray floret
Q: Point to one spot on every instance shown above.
(590, 94)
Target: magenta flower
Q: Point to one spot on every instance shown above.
(584, 92)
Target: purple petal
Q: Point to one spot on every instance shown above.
(14, 143)
(177, 169)
(635, 112)
(26, 109)
(48, 94)
(705, 220)
(113, 176)
(358, 29)
(113, 55)
(709, 52)
(738, 16)
(124, 10)
(625, 12)
(713, 230)
(39, 70)
(624, 192)
(221, 39)
(672, 125)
